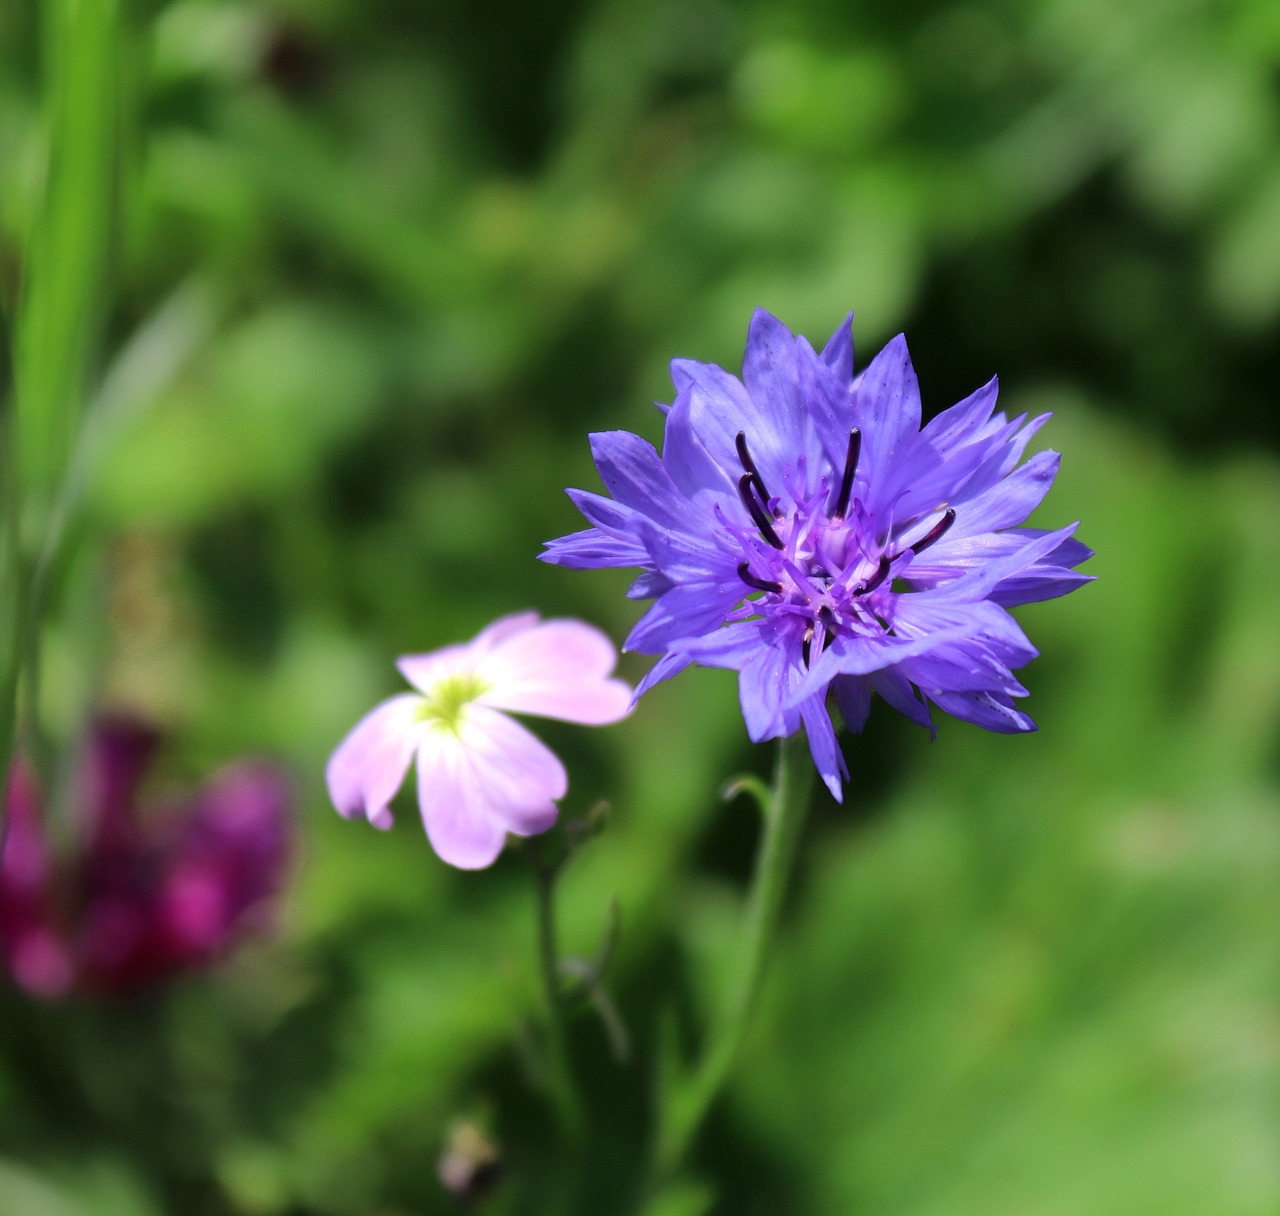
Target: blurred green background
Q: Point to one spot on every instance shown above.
(376, 270)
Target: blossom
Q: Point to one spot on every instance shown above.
(802, 528)
(480, 773)
(147, 890)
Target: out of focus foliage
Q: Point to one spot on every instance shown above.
(379, 269)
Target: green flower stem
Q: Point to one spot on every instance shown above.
(561, 1083)
(784, 816)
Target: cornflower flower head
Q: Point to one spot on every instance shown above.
(481, 774)
(803, 529)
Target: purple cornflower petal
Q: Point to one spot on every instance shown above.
(802, 528)
(481, 775)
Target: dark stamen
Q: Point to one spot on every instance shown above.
(937, 532)
(850, 468)
(882, 573)
(740, 442)
(828, 636)
(758, 516)
(752, 580)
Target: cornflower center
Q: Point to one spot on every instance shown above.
(824, 567)
(448, 697)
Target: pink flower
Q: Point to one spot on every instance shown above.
(144, 892)
(480, 774)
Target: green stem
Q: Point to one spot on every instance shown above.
(561, 1084)
(784, 816)
(58, 322)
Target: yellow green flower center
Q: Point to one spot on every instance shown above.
(448, 699)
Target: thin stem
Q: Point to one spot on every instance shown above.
(784, 817)
(561, 1083)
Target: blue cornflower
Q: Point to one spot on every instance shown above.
(801, 528)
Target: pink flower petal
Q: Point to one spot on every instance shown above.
(522, 777)
(42, 964)
(491, 778)
(503, 628)
(558, 669)
(369, 765)
(456, 811)
(225, 862)
(424, 670)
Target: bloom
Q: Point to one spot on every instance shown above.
(480, 774)
(801, 528)
(146, 892)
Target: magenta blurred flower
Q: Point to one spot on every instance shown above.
(480, 774)
(148, 891)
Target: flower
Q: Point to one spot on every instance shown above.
(146, 892)
(801, 528)
(480, 774)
